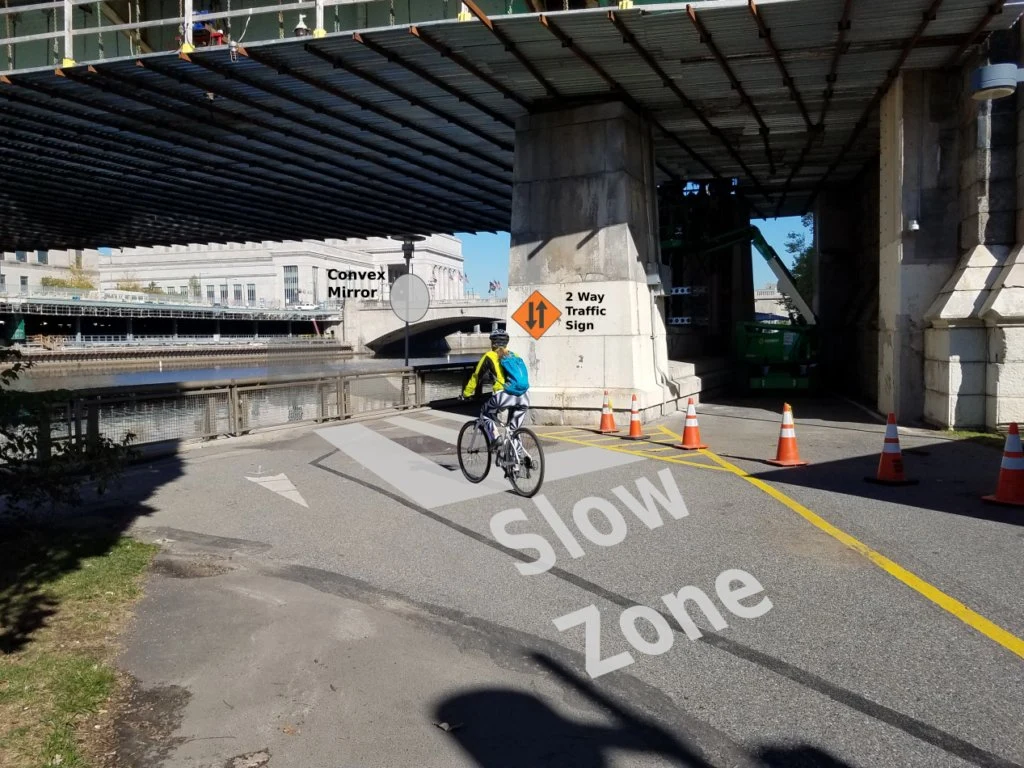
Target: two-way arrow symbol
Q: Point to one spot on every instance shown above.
(541, 306)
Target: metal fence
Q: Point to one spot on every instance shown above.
(87, 32)
(113, 296)
(196, 411)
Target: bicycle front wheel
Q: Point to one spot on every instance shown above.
(529, 474)
(474, 451)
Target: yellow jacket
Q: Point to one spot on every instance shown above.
(489, 364)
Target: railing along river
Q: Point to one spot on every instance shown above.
(193, 411)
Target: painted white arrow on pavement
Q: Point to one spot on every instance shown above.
(281, 485)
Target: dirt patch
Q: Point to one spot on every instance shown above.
(147, 719)
(193, 568)
(251, 760)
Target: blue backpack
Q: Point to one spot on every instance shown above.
(516, 379)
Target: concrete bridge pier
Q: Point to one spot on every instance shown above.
(584, 218)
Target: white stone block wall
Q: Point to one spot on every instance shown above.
(956, 344)
(1004, 314)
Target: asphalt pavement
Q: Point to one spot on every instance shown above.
(340, 595)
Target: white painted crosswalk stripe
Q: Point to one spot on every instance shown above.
(450, 416)
(430, 485)
(450, 436)
(412, 475)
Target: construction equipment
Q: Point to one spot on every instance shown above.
(777, 356)
(774, 356)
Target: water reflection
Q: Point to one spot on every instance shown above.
(75, 381)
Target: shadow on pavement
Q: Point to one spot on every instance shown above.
(37, 549)
(799, 757)
(504, 727)
(768, 407)
(499, 727)
(952, 477)
(952, 474)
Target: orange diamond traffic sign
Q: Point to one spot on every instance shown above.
(536, 315)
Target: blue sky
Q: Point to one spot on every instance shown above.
(487, 255)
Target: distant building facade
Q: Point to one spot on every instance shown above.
(768, 302)
(22, 270)
(286, 274)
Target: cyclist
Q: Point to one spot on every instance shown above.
(489, 369)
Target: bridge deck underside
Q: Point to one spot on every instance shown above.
(411, 129)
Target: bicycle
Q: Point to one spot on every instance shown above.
(519, 462)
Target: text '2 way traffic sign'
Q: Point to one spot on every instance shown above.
(536, 315)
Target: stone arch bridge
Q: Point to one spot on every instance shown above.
(373, 325)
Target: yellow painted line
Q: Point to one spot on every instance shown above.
(974, 620)
(640, 453)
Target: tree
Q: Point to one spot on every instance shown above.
(78, 278)
(195, 288)
(37, 467)
(153, 288)
(804, 263)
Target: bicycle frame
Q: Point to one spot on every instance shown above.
(504, 437)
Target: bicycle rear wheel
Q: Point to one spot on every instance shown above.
(529, 474)
(474, 451)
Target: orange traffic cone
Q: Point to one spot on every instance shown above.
(607, 417)
(691, 430)
(635, 430)
(787, 455)
(890, 465)
(1010, 490)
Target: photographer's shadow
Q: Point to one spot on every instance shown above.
(505, 728)
(502, 727)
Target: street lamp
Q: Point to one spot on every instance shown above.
(995, 81)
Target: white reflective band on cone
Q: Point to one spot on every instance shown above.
(789, 433)
(1013, 444)
(1012, 462)
(891, 448)
(890, 431)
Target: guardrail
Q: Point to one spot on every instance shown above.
(195, 411)
(76, 28)
(468, 302)
(131, 297)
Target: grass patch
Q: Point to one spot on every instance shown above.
(64, 598)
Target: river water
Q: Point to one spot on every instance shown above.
(114, 378)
